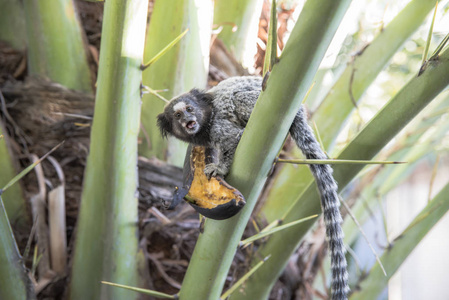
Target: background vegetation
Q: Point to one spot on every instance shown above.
(373, 77)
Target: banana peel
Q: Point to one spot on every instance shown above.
(214, 198)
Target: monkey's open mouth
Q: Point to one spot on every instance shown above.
(191, 124)
(192, 127)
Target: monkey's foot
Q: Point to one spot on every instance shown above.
(214, 170)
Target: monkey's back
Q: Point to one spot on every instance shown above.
(235, 97)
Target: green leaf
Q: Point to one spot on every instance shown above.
(429, 36)
(270, 231)
(233, 288)
(28, 169)
(272, 49)
(337, 162)
(142, 291)
(163, 51)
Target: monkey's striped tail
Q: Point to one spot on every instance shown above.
(306, 141)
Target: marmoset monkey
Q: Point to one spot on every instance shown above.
(217, 118)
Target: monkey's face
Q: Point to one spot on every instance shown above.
(185, 116)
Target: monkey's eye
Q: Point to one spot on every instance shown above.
(177, 115)
(189, 109)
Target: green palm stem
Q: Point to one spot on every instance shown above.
(106, 245)
(239, 20)
(292, 181)
(403, 107)
(12, 24)
(13, 199)
(14, 281)
(261, 142)
(56, 48)
(182, 68)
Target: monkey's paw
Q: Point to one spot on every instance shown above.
(214, 170)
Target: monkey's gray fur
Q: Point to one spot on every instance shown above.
(217, 118)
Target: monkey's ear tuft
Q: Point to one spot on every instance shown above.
(164, 124)
(201, 95)
(196, 93)
(207, 97)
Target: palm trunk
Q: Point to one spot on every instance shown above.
(13, 198)
(239, 20)
(106, 242)
(12, 23)
(14, 281)
(55, 44)
(289, 81)
(182, 68)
